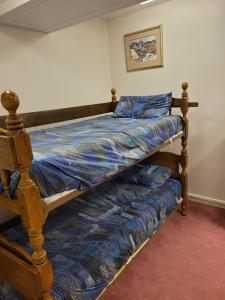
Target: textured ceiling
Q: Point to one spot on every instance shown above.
(130, 9)
(51, 15)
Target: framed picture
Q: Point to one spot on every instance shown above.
(144, 49)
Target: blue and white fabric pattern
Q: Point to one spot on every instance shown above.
(143, 106)
(90, 238)
(151, 176)
(82, 154)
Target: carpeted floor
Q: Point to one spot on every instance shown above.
(184, 261)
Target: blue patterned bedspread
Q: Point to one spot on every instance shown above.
(82, 154)
(90, 238)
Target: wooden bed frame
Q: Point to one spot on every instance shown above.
(32, 275)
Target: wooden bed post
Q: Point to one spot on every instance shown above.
(28, 196)
(114, 101)
(113, 92)
(184, 154)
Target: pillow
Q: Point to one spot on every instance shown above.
(159, 175)
(151, 176)
(143, 106)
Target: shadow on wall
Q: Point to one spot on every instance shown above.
(206, 152)
(23, 38)
(206, 167)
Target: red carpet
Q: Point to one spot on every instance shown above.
(184, 261)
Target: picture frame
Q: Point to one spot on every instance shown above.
(144, 49)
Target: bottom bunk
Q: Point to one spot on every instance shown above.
(91, 238)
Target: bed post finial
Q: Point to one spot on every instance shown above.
(113, 92)
(184, 153)
(10, 102)
(185, 93)
(185, 86)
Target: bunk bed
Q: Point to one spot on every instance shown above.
(26, 266)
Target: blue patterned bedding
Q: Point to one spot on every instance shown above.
(82, 154)
(90, 238)
(143, 106)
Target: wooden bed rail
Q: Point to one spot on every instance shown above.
(31, 281)
(166, 159)
(45, 117)
(177, 102)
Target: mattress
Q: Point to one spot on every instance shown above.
(82, 154)
(92, 237)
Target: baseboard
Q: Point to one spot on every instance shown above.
(206, 200)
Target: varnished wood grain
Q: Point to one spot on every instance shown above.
(65, 114)
(184, 154)
(39, 118)
(8, 159)
(28, 205)
(177, 102)
(166, 159)
(11, 204)
(10, 102)
(16, 250)
(23, 277)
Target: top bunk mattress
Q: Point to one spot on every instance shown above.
(82, 154)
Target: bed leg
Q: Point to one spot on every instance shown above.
(32, 220)
(184, 183)
(184, 154)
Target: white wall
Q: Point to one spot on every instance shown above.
(65, 68)
(194, 51)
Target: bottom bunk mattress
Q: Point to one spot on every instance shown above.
(92, 237)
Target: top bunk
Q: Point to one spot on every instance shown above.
(67, 160)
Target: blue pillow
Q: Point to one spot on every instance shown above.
(143, 106)
(151, 176)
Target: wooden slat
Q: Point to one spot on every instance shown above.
(10, 204)
(16, 250)
(166, 159)
(176, 102)
(20, 275)
(39, 118)
(10, 223)
(62, 200)
(8, 154)
(59, 115)
(193, 104)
